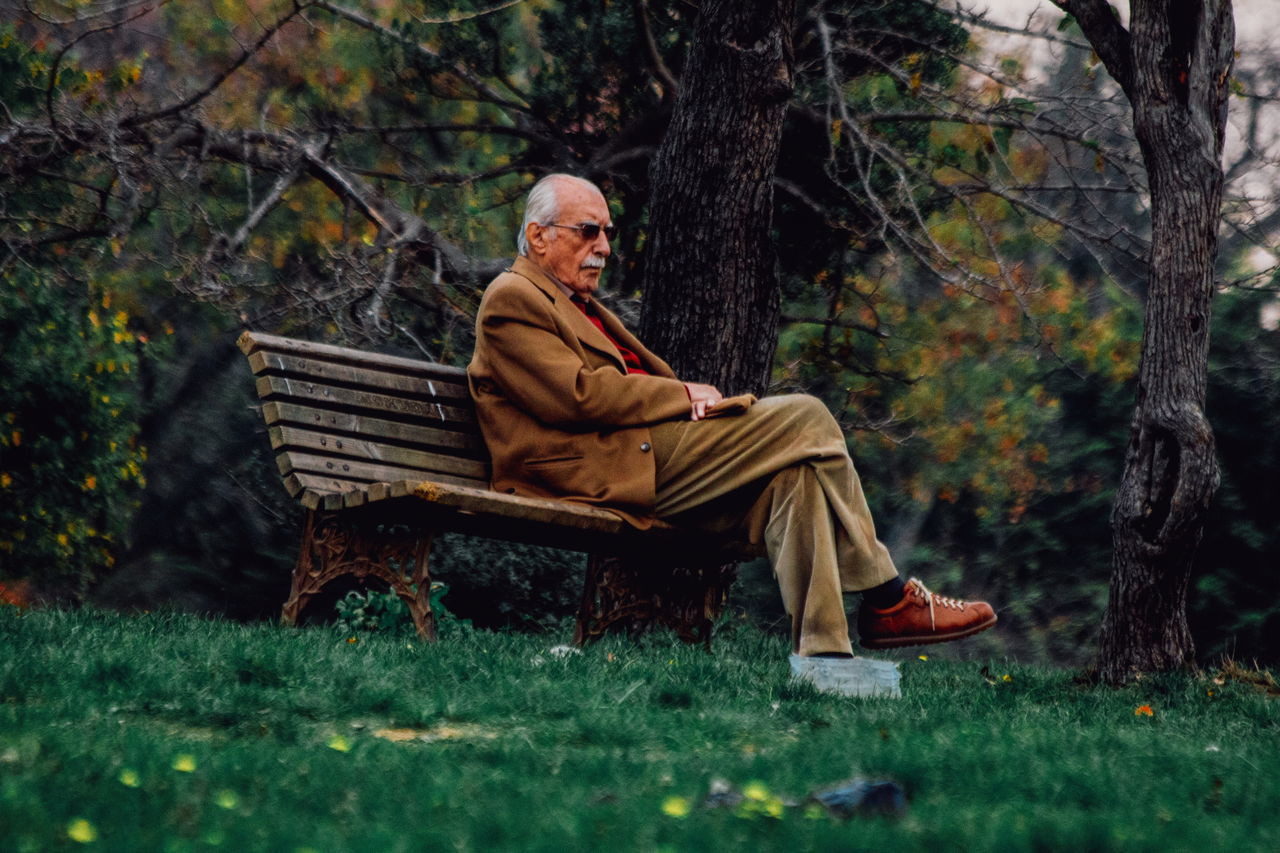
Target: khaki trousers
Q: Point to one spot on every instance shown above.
(782, 473)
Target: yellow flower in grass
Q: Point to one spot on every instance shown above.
(677, 807)
(129, 778)
(226, 799)
(82, 831)
(339, 743)
(756, 800)
(184, 763)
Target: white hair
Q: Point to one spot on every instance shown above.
(543, 204)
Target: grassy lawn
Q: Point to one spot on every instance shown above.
(166, 732)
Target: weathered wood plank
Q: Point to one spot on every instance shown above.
(324, 420)
(314, 369)
(399, 408)
(251, 342)
(359, 472)
(313, 489)
(291, 439)
(354, 499)
(302, 480)
(293, 486)
(563, 513)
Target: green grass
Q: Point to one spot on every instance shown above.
(280, 740)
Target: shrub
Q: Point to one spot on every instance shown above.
(70, 462)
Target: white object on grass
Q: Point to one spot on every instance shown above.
(849, 676)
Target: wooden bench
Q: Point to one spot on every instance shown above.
(384, 453)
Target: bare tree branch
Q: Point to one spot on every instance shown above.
(1109, 39)
(209, 88)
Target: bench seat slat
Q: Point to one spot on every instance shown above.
(559, 524)
(444, 441)
(488, 502)
(361, 472)
(251, 342)
(489, 508)
(383, 405)
(265, 363)
(290, 439)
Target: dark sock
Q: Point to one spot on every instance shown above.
(831, 655)
(886, 594)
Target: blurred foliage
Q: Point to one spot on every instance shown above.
(70, 460)
(1235, 604)
(504, 585)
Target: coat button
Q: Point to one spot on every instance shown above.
(646, 447)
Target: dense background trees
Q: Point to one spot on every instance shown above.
(961, 248)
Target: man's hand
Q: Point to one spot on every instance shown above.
(702, 397)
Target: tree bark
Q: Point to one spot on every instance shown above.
(711, 281)
(1174, 64)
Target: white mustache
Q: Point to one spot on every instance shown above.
(594, 262)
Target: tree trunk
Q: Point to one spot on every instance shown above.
(711, 282)
(1176, 75)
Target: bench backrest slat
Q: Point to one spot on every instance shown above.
(360, 449)
(343, 420)
(356, 471)
(401, 384)
(330, 422)
(251, 342)
(407, 409)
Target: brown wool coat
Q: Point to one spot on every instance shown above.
(560, 415)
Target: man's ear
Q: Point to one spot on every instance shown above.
(535, 236)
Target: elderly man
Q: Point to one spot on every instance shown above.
(573, 406)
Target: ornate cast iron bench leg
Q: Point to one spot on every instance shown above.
(334, 545)
(634, 595)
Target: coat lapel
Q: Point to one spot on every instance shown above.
(583, 328)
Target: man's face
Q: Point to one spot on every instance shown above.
(563, 252)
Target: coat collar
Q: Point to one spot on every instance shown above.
(583, 328)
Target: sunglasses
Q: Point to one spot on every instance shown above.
(588, 230)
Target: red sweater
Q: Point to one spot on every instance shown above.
(629, 358)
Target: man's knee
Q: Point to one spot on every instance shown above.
(808, 411)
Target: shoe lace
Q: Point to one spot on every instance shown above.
(932, 599)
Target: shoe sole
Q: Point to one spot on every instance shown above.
(925, 639)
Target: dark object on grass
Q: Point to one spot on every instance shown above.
(722, 796)
(858, 796)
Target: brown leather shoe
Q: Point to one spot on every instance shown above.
(922, 617)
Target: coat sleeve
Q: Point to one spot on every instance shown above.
(539, 371)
